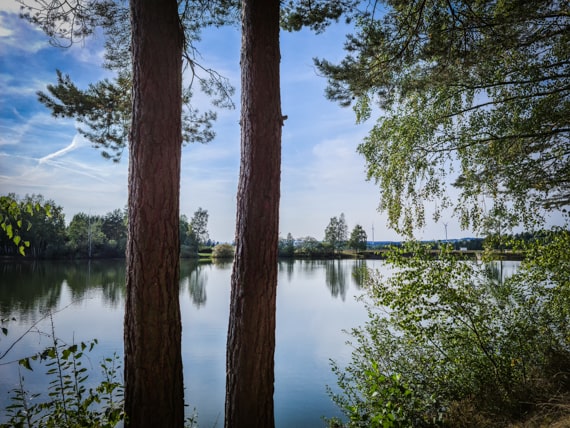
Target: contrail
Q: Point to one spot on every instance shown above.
(75, 144)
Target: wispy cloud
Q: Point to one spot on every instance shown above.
(76, 143)
(31, 134)
(99, 186)
(13, 30)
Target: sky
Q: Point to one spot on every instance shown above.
(322, 174)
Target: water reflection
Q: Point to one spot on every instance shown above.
(194, 277)
(359, 273)
(309, 268)
(309, 325)
(498, 271)
(336, 278)
(287, 266)
(30, 288)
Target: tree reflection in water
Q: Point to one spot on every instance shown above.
(287, 265)
(31, 288)
(359, 273)
(194, 276)
(336, 278)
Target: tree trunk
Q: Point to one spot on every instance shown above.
(154, 391)
(251, 333)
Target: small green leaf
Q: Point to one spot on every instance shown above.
(25, 362)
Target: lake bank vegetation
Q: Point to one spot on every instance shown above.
(457, 344)
(105, 236)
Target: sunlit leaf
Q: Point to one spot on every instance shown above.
(25, 362)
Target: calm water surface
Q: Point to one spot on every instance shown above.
(315, 302)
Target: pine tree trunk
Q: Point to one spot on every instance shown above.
(154, 391)
(251, 333)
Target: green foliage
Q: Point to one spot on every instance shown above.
(38, 226)
(358, 239)
(381, 402)
(104, 108)
(194, 233)
(72, 398)
(475, 93)
(199, 226)
(287, 246)
(309, 246)
(458, 338)
(336, 233)
(223, 251)
(114, 225)
(94, 236)
(68, 402)
(316, 15)
(15, 218)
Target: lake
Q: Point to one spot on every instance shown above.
(315, 302)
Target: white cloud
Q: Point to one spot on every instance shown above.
(4, 32)
(11, 87)
(18, 35)
(32, 135)
(11, 6)
(76, 143)
(89, 51)
(97, 187)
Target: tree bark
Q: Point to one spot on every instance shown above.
(154, 391)
(251, 333)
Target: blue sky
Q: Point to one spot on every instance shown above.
(322, 175)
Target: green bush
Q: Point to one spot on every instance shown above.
(71, 400)
(223, 251)
(68, 402)
(447, 336)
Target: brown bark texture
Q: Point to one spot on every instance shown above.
(154, 391)
(251, 333)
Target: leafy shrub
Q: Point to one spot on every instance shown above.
(223, 251)
(71, 400)
(68, 402)
(446, 332)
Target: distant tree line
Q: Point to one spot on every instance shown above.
(105, 236)
(86, 235)
(336, 239)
